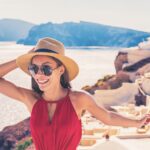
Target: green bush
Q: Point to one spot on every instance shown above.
(24, 143)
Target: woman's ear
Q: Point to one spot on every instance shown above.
(62, 69)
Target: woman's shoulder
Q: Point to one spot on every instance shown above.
(31, 95)
(77, 93)
(81, 100)
(80, 96)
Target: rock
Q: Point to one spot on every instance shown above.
(10, 135)
(120, 60)
(108, 82)
(134, 61)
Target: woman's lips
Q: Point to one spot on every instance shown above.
(42, 81)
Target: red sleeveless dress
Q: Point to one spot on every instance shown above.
(63, 132)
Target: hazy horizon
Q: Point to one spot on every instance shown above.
(74, 22)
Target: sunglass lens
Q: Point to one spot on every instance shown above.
(33, 69)
(46, 70)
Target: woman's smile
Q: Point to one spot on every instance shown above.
(42, 81)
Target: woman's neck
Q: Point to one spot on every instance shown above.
(54, 94)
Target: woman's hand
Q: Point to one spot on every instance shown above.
(145, 120)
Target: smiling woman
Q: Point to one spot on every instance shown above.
(55, 107)
(47, 70)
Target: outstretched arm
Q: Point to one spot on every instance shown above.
(108, 117)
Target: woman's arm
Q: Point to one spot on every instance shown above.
(7, 67)
(108, 117)
(8, 88)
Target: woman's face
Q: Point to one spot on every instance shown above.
(45, 81)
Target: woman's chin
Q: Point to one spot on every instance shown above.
(42, 87)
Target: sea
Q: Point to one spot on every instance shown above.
(94, 63)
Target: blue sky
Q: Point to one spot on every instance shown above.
(124, 13)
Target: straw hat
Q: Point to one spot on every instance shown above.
(49, 47)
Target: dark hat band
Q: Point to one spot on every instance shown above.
(45, 50)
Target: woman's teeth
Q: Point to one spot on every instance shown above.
(42, 81)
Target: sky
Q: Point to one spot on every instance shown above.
(132, 14)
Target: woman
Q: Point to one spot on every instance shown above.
(55, 108)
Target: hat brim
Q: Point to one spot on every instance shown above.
(71, 66)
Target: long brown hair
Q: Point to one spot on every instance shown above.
(64, 79)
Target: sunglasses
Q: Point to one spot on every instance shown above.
(45, 69)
